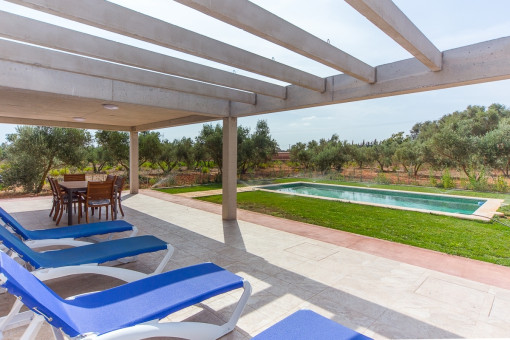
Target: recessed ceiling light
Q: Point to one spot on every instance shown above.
(110, 106)
(79, 119)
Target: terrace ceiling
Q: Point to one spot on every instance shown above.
(51, 75)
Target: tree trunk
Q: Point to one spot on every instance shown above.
(416, 169)
(46, 171)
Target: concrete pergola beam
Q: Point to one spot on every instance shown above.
(55, 37)
(260, 22)
(52, 59)
(392, 21)
(473, 64)
(74, 125)
(192, 119)
(34, 78)
(121, 20)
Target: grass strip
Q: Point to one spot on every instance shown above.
(482, 241)
(193, 188)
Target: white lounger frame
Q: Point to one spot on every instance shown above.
(15, 319)
(154, 328)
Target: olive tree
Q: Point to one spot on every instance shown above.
(115, 146)
(34, 150)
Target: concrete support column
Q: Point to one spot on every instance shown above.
(229, 169)
(134, 183)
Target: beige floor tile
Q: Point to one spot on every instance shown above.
(453, 294)
(311, 251)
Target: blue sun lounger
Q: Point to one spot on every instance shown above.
(81, 260)
(305, 325)
(71, 232)
(130, 311)
(93, 253)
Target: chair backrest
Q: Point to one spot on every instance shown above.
(110, 178)
(120, 183)
(11, 222)
(74, 177)
(15, 244)
(52, 186)
(34, 293)
(99, 190)
(58, 193)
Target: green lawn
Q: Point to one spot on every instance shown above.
(488, 242)
(179, 190)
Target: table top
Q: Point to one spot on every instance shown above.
(74, 184)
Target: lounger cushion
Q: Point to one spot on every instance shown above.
(81, 230)
(148, 299)
(306, 325)
(101, 252)
(92, 253)
(75, 231)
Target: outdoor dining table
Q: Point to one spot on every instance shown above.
(72, 187)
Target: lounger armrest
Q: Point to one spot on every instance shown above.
(56, 242)
(123, 274)
(134, 232)
(164, 261)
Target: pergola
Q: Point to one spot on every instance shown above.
(55, 76)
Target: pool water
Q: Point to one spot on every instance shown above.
(442, 203)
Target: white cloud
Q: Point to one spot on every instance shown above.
(309, 118)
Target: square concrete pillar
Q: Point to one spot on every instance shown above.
(134, 183)
(229, 169)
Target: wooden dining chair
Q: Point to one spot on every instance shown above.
(61, 200)
(74, 177)
(98, 195)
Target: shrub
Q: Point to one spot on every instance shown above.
(464, 183)
(500, 184)
(447, 180)
(54, 173)
(479, 184)
(432, 179)
(382, 179)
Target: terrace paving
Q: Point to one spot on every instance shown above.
(381, 289)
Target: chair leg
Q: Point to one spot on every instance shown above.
(87, 213)
(120, 207)
(61, 210)
(52, 207)
(57, 210)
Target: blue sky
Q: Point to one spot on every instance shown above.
(447, 23)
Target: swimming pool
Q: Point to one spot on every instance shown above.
(387, 198)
